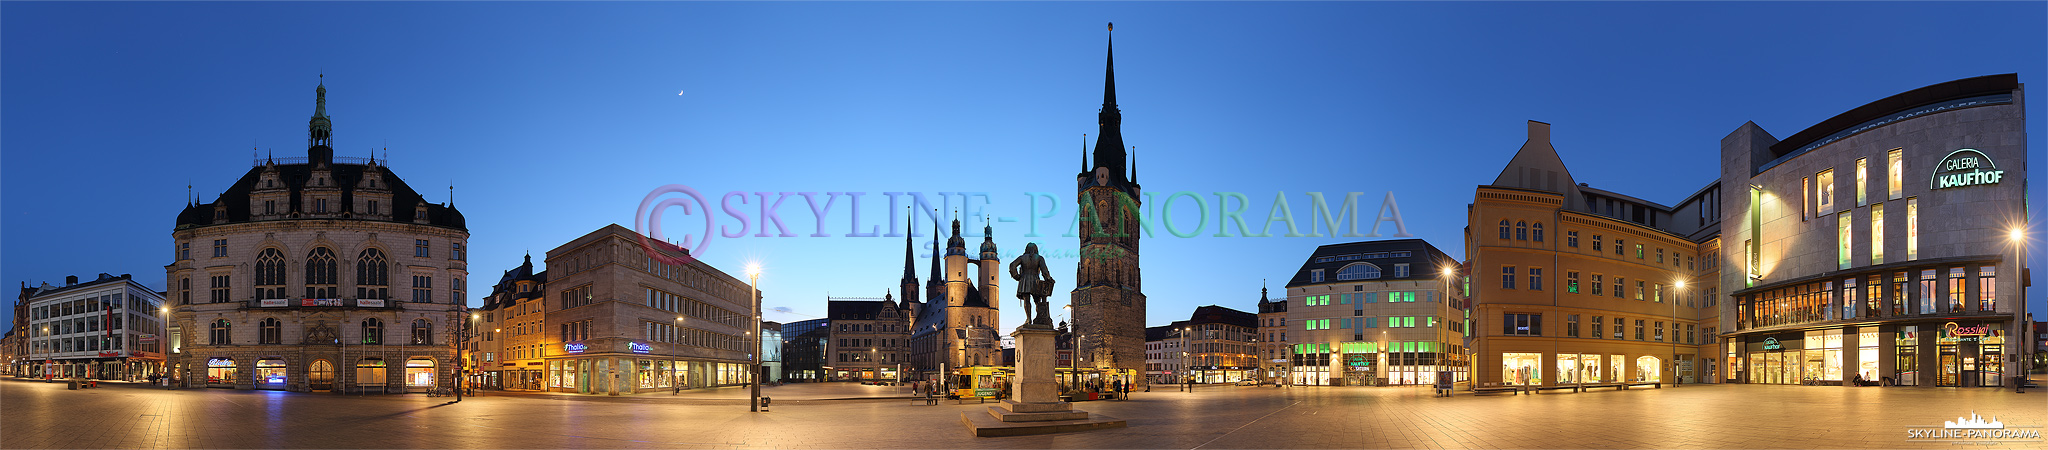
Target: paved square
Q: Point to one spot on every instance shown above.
(41, 415)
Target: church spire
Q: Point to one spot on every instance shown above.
(909, 273)
(1109, 140)
(934, 282)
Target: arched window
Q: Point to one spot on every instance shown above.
(270, 274)
(220, 334)
(320, 274)
(272, 332)
(373, 331)
(1503, 228)
(1359, 271)
(422, 332)
(373, 275)
(1521, 231)
(1538, 231)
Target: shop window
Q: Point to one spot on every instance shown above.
(370, 372)
(1522, 369)
(221, 371)
(419, 373)
(1649, 368)
(270, 373)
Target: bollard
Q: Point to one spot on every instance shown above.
(764, 404)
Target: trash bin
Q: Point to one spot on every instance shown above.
(71, 384)
(764, 403)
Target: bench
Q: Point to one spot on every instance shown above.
(1496, 389)
(1589, 387)
(927, 401)
(1654, 384)
(1561, 386)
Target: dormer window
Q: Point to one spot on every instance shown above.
(270, 207)
(419, 215)
(270, 183)
(373, 207)
(320, 206)
(220, 215)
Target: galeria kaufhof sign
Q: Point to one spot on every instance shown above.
(1965, 167)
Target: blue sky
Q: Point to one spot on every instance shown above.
(552, 120)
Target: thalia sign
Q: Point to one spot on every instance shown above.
(1966, 167)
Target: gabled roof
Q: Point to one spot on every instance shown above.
(296, 174)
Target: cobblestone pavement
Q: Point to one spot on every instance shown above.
(40, 415)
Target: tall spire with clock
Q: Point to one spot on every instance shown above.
(1108, 296)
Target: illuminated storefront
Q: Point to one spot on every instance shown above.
(271, 374)
(1848, 282)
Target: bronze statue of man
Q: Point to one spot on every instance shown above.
(1034, 284)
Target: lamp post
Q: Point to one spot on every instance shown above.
(2023, 323)
(1448, 273)
(1673, 338)
(754, 358)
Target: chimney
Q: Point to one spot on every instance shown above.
(70, 280)
(1539, 132)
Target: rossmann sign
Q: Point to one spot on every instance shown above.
(1966, 167)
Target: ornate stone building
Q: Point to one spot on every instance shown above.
(320, 273)
(957, 326)
(1108, 296)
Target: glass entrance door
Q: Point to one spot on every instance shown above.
(1950, 367)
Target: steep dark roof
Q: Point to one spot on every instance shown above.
(1423, 261)
(1269, 306)
(974, 298)
(294, 173)
(1160, 333)
(853, 309)
(1223, 315)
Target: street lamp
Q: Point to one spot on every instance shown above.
(1673, 338)
(754, 358)
(2018, 236)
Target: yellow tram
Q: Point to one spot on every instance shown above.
(980, 381)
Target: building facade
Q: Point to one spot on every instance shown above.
(1274, 353)
(1215, 345)
(631, 315)
(869, 339)
(1109, 296)
(1374, 313)
(105, 329)
(1839, 278)
(1574, 285)
(803, 350)
(509, 338)
(321, 273)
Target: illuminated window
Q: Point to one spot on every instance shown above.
(1862, 181)
(1824, 193)
(1571, 282)
(1358, 271)
(1913, 229)
(1599, 327)
(1842, 242)
(1639, 289)
(1877, 234)
(1897, 167)
(1639, 251)
(1958, 278)
(1596, 284)
(1805, 197)
(1987, 288)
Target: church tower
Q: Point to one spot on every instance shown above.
(991, 264)
(908, 286)
(1108, 299)
(956, 268)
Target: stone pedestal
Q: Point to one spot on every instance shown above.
(1034, 406)
(1033, 381)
